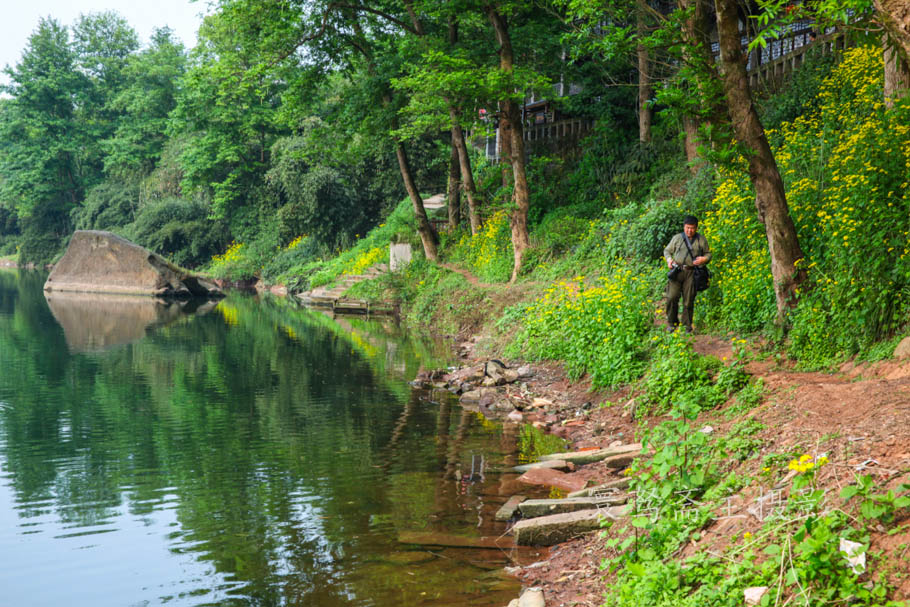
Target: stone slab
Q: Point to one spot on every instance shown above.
(617, 486)
(552, 478)
(545, 507)
(557, 528)
(594, 455)
(508, 510)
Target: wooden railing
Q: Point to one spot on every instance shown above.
(776, 67)
(561, 129)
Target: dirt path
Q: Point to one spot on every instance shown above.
(467, 275)
(858, 416)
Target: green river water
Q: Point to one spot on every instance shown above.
(245, 452)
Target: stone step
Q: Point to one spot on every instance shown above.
(508, 510)
(557, 528)
(545, 507)
(594, 455)
(606, 488)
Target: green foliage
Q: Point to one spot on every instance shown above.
(596, 328)
(801, 95)
(844, 164)
(178, 229)
(641, 231)
(677, 374)
(488, 254)
(877, 507)
(107, 206)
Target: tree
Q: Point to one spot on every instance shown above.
(770, 200)
(148, 96)
(41, 166)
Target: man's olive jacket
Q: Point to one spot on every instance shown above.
(677, 251)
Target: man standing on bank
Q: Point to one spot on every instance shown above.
(685, 251)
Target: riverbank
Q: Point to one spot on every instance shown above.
(853, 424)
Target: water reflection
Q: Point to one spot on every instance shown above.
(97, 322)
(256, 455)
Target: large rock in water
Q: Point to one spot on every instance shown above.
(102, 262)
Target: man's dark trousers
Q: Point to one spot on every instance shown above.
(684, 286)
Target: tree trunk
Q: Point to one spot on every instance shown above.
(467, 175)
(464, 160)
(697, 54)
(770, 200)
(505, 150)
(894, 15)
(511, 115)
(644, 83)
(424, 227)
(453, 189)
(690, 126)
(897, 73)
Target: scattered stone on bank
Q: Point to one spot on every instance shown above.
(508, 510)
(558, 528)
(545, 507)
(903, 349)
(532, 597)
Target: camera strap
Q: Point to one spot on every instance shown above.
(689, 246)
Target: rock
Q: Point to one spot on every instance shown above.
(514, 603)
(479, 395)
(490, 382)
(102, 262)
(471, 396)
(557, 528)
(494, 368)
(754, 595)
(515, 416)
(595, 455)
(552, 478)
(508, 510)
(903, 349)
(510, 376)
(541, 402)
(544, 507)
(525, 371)
(618, 462)
(500, 406)
(551, 464)
(532, 597)
(707, 429)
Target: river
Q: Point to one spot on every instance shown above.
(245, 452)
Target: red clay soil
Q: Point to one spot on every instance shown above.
(859, 417)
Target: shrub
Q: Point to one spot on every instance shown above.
(488, 253)
(596, 328)
(178, 229)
